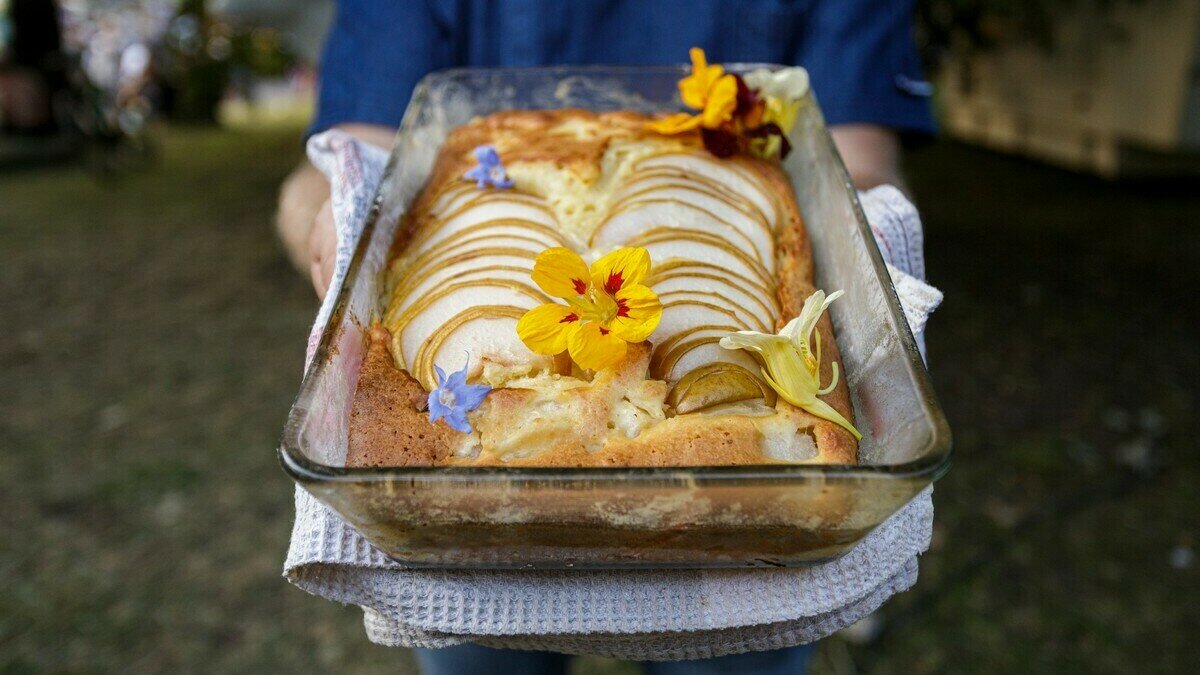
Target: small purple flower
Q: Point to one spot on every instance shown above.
(454, 398)
(490, 171)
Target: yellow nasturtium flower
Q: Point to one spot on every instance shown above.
(607, 306)
(792, 363)
(708, 89)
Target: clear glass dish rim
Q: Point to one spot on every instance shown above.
(932, 464)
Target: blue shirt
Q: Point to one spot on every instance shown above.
(859, 53)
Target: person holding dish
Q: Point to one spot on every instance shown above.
(863, 68)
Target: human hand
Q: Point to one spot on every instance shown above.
(305, 216)
(322, 249)
(871, 154)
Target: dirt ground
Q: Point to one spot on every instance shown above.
(152, 342)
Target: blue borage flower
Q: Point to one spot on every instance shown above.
(454, 398)
(489, 171)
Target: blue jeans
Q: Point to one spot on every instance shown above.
(469, 659)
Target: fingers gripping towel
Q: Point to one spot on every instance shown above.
(632, 614)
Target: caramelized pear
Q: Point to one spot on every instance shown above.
(716, 384)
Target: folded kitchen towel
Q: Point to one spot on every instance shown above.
(632, 614)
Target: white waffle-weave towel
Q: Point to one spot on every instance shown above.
(638, 614)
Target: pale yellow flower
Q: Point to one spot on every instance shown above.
(792, 360)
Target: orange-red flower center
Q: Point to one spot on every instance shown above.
(614, 283)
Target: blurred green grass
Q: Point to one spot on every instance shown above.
(152, 342)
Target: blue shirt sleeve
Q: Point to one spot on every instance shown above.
(374, 55)
(863, 64)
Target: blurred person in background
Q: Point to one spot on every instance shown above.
(31, 67)
(859, 53)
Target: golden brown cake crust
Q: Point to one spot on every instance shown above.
(388, 425)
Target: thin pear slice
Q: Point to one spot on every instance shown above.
(749, 299)
(545, 234)
(672, 268)
(518, 261)
(487, 332)
(424, 318)
(717, 206)
(659, 368)
(754, 321)
(725, 173)
(718, 384)
(675, 215)
(688, 315)
(450, 196)
(480, 251)
(669, 354)
(670, 176)
(702, 353)
(720, 207)
(690, 245)
(434, 231)
(460, 196)
(464, 271)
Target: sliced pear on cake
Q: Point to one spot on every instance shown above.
(718, 384)
(480, 251)
(488, 229)
(725, 172)
(452, 195)
(683, 315)
(671, 361)
(462, 196)
(666, 176)
(738, 213)
(498, 213)
(673, 215)
(679, 267)
(745, 316)
(697, 198)
(705, 248)
(710, 351)
(728, 292)
(468, 270)
(488, 332)
(670, 347)
(414, 326)
(746, 298)
(626, 227)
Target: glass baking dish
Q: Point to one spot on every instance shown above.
(768, 515)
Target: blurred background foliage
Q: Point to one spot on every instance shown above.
(966, 26)
(204, 55)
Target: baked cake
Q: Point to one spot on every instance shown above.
(728, 252)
